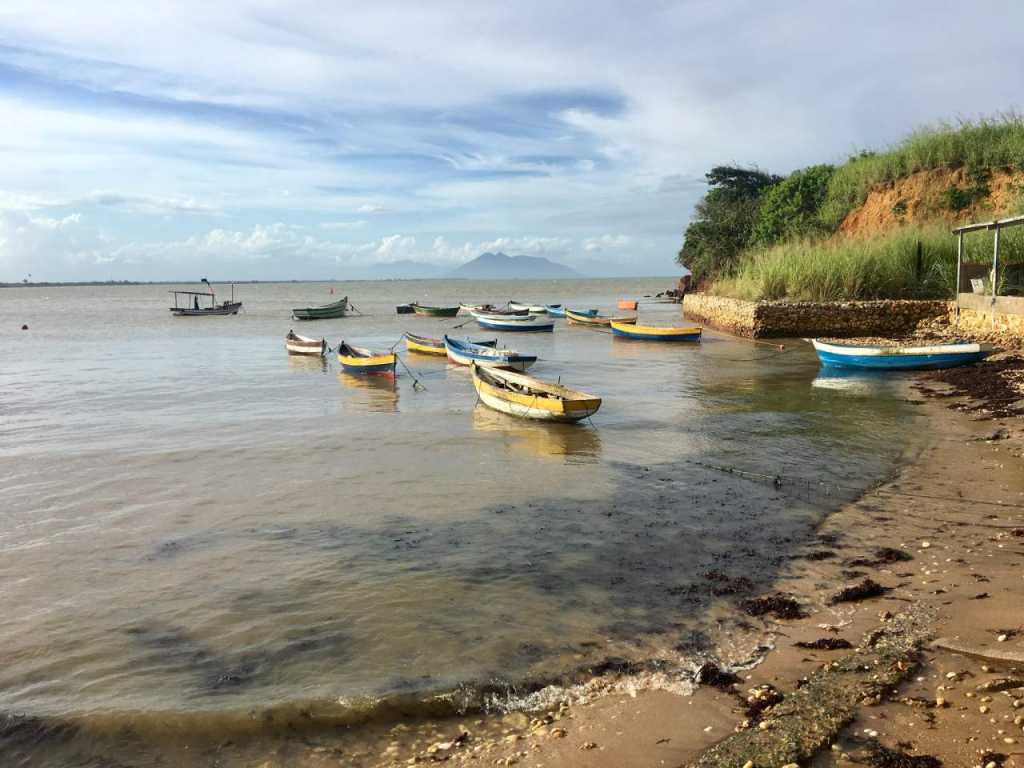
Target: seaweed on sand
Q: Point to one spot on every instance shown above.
(857, 592)
(779, 605)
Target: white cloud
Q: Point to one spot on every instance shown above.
(370, 208)
(332, 226)
(604, 243)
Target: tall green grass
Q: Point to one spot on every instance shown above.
(881, 267)
(978, 145)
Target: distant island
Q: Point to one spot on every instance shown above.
(500, 266)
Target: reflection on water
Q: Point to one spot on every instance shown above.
(856, 382)
(572, 443)
(372, 394)
(307, 363)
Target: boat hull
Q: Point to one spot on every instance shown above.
(527, 323)
(404, 309)
(326, 312)
(533, 309)
(531, 406)
(301, 345)
(900, 359)
(435, 311)
(228, 308)
(654, 333)
(366, 362)
(425, 346)
(515, 362)
(578, 319)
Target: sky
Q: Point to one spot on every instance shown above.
(255, 139)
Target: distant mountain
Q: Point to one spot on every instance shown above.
(499, 266)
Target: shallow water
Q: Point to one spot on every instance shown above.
(197, 527)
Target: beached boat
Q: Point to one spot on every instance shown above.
(303, 345)
(632, 330)
(404, 309)
(557, 310)
(533, 309)
(324, 312)
(467, 353)
(515, 323)
(187, 303)
(365, 361)
(490, 309)
(520, 395)
(579, 319)
(893, 358)
(419, 309)
(428, 345)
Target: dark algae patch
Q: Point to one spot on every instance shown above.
(882, 556)
(779, 605)
(882, 757)
(809, 718)
(825, 644)
(862, 590)
(993, 387)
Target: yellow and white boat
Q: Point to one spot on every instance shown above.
(575, 318)
(520, 395)
(633, 330)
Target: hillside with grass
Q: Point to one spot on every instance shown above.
(877, 226)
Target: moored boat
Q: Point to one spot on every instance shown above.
(361, 360)
(628, 304)
(304, 345)
(404, 309)
(191, 307)
(468, 353)
(595, 319)
(514, 322)
(428, 345)
(632, 330)
(533, 309)
(324, 312)
(525, 396)
(557, 310)
(895, 358)
(419, 309)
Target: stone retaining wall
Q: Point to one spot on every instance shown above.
(762, 319)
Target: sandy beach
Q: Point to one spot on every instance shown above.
(942, 543)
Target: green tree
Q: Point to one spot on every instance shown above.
(724, 220)
(789, 210)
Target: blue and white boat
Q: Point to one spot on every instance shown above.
(892, 358)
(514, 322)
(466, 352)
(558, 310)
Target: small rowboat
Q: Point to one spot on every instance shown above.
(533, 309)
(892, 358)
(557, 310)
(364, 361)
(490, 309)
(514, 322)
(303, 345)
(578, 319)
(655, 332)
(327, 311)
(468, 353)
(419, 309)
(430, 346)
(520, 395)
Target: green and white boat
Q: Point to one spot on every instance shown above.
(326, 312)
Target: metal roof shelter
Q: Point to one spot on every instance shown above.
(995, 225)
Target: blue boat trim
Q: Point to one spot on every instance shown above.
(900, 359)
(512, 327)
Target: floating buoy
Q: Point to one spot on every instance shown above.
(24, 327)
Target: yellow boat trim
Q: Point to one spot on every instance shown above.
(656, 330)
(572, 402)
(413, 346)
(387, 359)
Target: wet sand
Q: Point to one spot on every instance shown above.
(945, 537)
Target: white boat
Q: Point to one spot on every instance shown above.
(467, 353)
(533, 309)
(514, 322)
(527, 397)
(303, 345)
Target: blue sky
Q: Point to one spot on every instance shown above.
(264, 140)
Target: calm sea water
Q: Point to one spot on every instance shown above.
(202, 535)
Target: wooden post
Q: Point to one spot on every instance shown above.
(959, 261)
(995, 274)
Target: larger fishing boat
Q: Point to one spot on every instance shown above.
(525, 396)
(188, 304)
